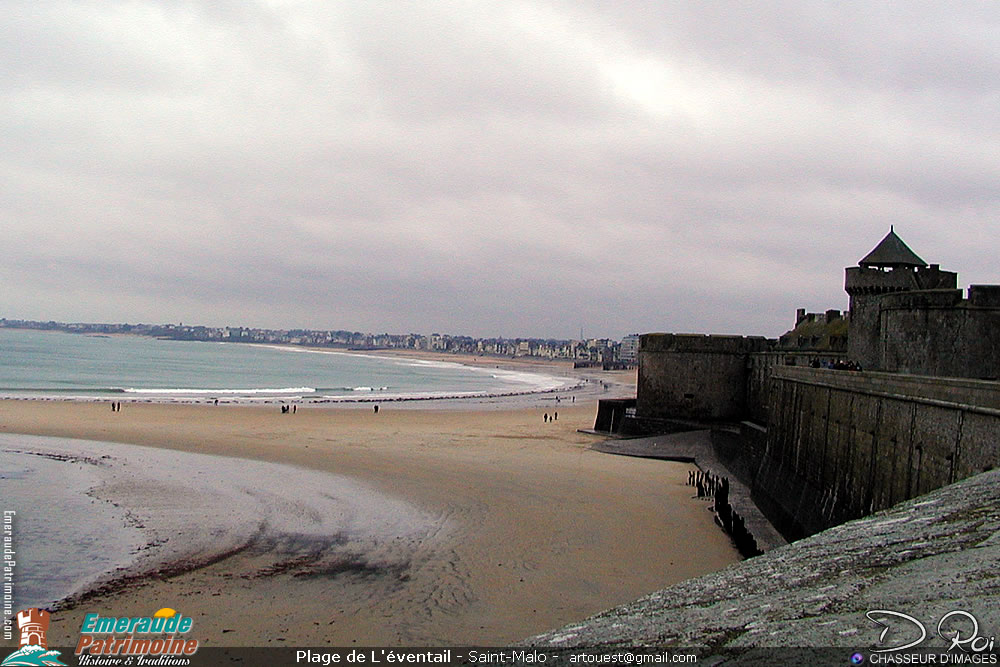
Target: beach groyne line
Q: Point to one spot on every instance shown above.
(699, 447)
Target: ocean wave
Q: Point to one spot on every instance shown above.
(337, 395)
(241, 392)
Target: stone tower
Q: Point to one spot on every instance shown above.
(34, 623)
(891, 267)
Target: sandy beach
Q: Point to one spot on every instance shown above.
(532, 529)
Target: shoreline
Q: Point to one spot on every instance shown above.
(150, 500)
(542, 530)
(563, 379)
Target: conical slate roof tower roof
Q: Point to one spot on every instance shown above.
(891, 251)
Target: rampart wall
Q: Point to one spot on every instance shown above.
(827, 446)
(694, 376)
(937, 332)
(841, 445)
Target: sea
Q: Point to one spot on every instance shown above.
(61, 365)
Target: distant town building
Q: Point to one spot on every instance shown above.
(594, 350)
(629, 349)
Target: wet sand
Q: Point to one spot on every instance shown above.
(531, 529)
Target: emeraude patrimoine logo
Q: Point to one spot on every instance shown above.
(101, 635)
(33, 648)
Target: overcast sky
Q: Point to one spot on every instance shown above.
(487, 168)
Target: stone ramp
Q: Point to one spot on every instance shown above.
(925, 557)
(696, 446)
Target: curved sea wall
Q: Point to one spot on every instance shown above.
(924, 558)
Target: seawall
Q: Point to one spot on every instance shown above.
(818, 447)
(840, 445)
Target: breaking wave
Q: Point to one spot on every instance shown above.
(251, 392)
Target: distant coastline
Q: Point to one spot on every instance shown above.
(592, 350)
(172, 372)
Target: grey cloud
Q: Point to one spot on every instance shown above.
(491, 169)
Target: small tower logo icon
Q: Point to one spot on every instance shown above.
(33, 648)
(34, 623)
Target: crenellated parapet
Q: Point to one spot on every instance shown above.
(864, 281)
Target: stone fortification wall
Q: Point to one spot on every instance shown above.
(694, 376)
(761, 365)
(832, 445)
(841, 445)
(937, 332)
